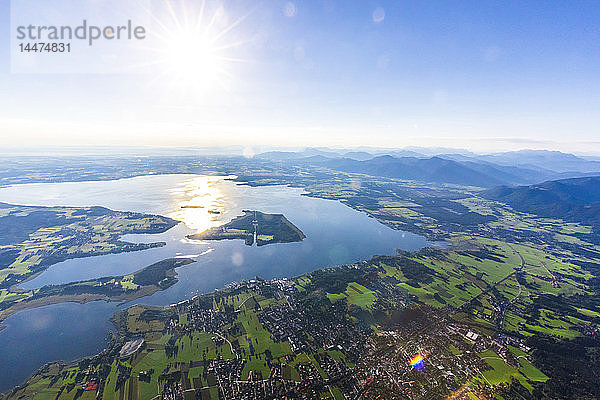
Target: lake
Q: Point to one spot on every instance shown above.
(335, 234)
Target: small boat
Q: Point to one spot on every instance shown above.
(192, 206)
(214, 212)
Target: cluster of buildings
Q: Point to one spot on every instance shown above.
(328, 353)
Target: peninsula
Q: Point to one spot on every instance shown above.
(144, 282)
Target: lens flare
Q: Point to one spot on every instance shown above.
(418, 362)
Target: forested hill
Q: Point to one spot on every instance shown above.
(576, 199)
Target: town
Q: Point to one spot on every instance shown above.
(282, 339)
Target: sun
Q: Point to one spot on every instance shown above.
(194, 47)
(192, 59)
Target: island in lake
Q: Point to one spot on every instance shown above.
(255, 227)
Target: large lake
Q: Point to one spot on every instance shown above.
(335, 234)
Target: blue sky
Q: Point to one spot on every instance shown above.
(480, 75)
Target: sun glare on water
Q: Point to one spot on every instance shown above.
(199, 203)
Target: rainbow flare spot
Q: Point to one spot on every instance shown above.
(418, 362)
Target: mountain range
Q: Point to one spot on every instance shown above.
(510, 168)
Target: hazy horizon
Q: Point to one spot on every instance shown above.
(251, 151)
